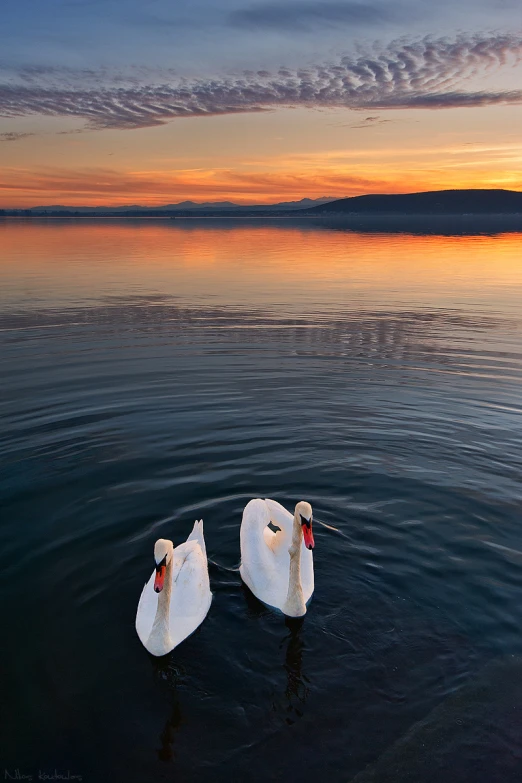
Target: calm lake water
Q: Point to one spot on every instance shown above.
(158, 372)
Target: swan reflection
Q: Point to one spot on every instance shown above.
(167, 752)
(169, 676)
(297, 690)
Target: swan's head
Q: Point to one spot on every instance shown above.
(163, 550)
(303, 512)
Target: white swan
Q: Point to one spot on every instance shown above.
(177, 597)
(278, 567)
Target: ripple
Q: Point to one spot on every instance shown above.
(126, 416)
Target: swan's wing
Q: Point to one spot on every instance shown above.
(261, 568)
(191, 597)
(280, 516)
(272, 538)
(197, 535)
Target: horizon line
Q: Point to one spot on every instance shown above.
(243, 205)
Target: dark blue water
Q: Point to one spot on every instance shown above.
(155, 373)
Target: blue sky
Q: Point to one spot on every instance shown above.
(207, 38)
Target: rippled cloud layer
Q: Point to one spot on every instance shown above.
(429, 73)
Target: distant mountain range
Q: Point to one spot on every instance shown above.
(189, 206)
(431, 203)
(436, 202)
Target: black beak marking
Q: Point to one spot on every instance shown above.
(305, 521)
(159, 565)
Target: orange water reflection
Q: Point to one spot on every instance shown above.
(57, 261)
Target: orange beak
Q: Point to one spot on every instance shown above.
(308, 536)
(160, 578)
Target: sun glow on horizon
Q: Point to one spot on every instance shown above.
(279, 156)
(23, 189)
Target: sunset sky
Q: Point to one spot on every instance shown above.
(154, 101)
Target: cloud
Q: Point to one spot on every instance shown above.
(14, 136)
(368, 122)
(427, 74)
(306, 16)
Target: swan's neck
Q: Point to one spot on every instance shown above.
(159, 639)
(295, 605)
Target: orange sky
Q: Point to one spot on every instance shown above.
(276, 156)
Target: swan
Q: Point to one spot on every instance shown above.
(278, 566)
(177, 597)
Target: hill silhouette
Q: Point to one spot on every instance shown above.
(436, 202)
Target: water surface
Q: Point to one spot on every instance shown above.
(155, 372)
